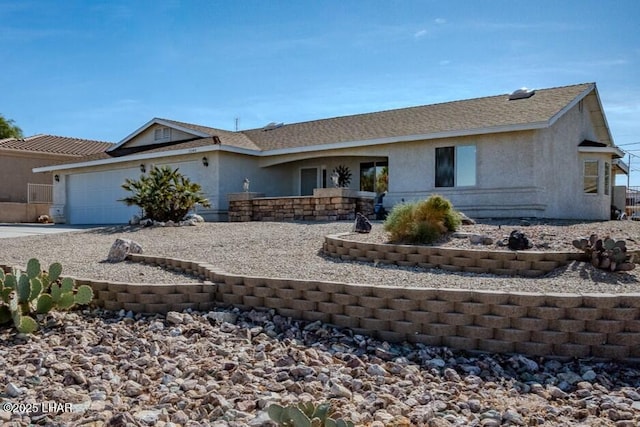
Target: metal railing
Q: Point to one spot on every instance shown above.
(39, 193)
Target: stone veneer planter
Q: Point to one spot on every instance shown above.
(535, 324)
(326, 204)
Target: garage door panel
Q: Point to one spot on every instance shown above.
(92, 198)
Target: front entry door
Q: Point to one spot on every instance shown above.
(308, 181)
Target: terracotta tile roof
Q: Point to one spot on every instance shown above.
(234, 139)
(55, 145)
(457, 116)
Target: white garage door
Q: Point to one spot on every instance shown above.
(92, 198)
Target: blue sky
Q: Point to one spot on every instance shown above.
(101, 69)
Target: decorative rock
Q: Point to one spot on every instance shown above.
(121, 248)
(480, 239)
(362, 224)
(175, 318)
(465, 219)
(13, 390)
(518, 241)
(134, 220)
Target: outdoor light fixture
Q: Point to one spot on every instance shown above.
(205, 162)
(57, 178)
(143, 169)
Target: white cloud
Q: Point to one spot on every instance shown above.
(420, 34)
(440, 21)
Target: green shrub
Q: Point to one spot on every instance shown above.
(25, 294)
(164, 195)
(422, 221)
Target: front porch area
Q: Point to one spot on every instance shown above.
(326, 204)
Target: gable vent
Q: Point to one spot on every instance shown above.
(521, 94)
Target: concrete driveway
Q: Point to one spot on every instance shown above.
(21, 230)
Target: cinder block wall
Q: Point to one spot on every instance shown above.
(307, 208)
(567, 325)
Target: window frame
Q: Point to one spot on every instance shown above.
(585, 176)
(451, 166)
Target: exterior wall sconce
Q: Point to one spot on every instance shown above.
(56, 178)
(205, 162)
(143, 168)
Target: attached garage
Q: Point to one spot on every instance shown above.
(92, 198)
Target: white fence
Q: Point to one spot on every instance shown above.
(39, 193)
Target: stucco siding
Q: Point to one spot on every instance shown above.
(234, 168)
(560, 168)
(16, 173)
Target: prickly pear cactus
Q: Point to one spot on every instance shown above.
(607, 253)
(24, 294)
(306, 415)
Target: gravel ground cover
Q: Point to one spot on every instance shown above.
(293, 250)
(224, 368)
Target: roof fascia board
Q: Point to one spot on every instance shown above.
(611, 150)
(572, 104)
(146, 156)
(152, 122)
(407, 138)
(604, 117)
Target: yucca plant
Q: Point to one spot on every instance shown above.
(164, 194)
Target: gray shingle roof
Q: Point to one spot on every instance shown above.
(467, 115)
(55, 145)
(234, 139)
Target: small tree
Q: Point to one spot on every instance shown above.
(8, 129)
(164, 194)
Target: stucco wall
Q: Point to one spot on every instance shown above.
(234, 168)
(15, 174)
(559, 168)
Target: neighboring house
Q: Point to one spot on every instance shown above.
(18, 156)
(546, 153)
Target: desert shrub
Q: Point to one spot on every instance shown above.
(423, 221)
(164, 194)
(24, 294)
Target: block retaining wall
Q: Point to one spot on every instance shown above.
(521, 263)
(303, 208)
(565, 325)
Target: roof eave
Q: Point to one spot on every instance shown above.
(146, 156)
(407, 138)
(157, 121)
(614, 151)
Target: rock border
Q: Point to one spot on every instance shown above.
(605, 326)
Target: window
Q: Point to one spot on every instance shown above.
(607, 178)
(456, 166)
(591, 176)
(160, 134)
(374, 176)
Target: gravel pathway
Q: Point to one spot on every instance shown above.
(293, 250)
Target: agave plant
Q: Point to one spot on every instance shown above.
(164, 194)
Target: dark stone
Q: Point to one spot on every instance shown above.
(519, 241)
(362, 224)
(466, 220)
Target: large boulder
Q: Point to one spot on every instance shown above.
(121, 248)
